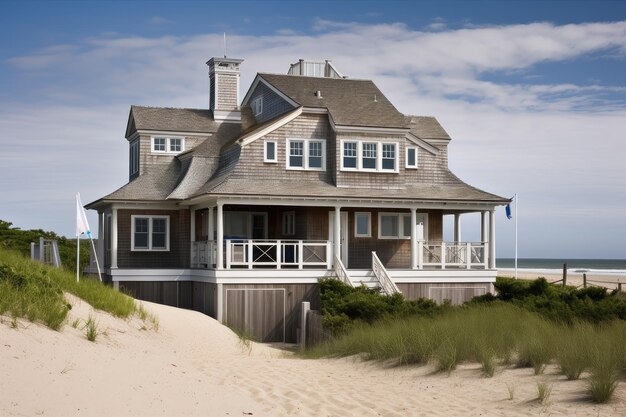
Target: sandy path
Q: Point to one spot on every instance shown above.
(193, 366)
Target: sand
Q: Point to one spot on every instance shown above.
(575, 279)
(193, 366)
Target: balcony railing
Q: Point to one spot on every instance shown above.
(452, 255)
(278, 254)
(203, 254)
(318, 254)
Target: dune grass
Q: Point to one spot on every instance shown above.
(34, 291)
(493, 335)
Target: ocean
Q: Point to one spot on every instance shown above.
(575, 266)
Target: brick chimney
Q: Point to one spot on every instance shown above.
(224, 81)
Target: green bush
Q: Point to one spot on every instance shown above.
(343, 305)
(559, 303)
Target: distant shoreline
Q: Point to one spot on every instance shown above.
(607, 280)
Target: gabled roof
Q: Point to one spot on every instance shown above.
(349, 102)
(170, 119)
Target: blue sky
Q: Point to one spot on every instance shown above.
(532, 93)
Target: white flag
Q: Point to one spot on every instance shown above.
(82, 226)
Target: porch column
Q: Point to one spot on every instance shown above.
(114, 239)
(337, 232)
(483, 226)
(211, 225)
(413, 238)
(219, 264)
(192, 234)
(492, 239)
(100, 248)
(457, 227)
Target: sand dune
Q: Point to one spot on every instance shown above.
(193, 366)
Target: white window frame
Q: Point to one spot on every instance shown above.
(134, 157)
(400, 217)
(265, 158)
(150, 248)
(257, 106)
(406, 157)
(305, 154)
(289, 223)
(369, 224)
(379, 156)
(168, 139)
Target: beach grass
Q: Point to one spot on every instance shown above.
(34, 291)
(492, 335)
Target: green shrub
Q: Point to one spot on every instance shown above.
(559, 303)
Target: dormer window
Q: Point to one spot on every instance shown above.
(167, 144)
(257, 106)
(369, 156)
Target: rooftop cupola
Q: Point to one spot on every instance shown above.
(224, 84)
(324, 69)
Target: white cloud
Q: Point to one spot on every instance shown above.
(559, 145)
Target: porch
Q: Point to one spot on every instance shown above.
(317, 254)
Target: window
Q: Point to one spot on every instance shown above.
(269, 150)
(369, 156)
(150, 233)
(315, 155)
(163, 144)
(349, 154)
(257, 106)
(296, 158)
(134, 157)
(307, 154)
(389, 156)
(394, 226)
(362, 224)
(411, 157)
(159, 144)
(175, 145)
(289, 223)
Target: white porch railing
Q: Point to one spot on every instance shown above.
(452, 255)
(278, 254)
(342, 273)
(387, 285)
(203, 254)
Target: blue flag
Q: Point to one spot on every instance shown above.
(507, 209)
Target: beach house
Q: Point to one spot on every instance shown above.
(239, 209)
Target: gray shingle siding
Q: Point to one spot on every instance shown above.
(273, 104)
(251, 163)
(227, 92)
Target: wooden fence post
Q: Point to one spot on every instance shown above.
(564, 274)
(306, 306)
(619, 286)
(584, 280)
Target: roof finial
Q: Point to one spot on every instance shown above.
(224, 44)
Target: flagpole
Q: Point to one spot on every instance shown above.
(95, 255)
(516, 215)
(77, 256)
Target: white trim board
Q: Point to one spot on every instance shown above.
(252, 136)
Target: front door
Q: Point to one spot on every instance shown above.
(343, 235)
